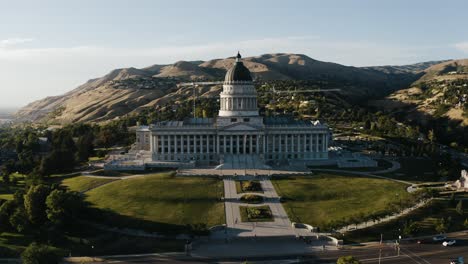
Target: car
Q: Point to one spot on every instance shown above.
(459, 260)
(449, 243)
(439, 238)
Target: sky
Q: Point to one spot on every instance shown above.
(49, 47)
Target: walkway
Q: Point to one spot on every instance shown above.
(281, 226)
(384, 219)
(368, 174)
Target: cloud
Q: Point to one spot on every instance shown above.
(462, 46)
(14, 41)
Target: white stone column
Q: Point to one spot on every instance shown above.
(323, 143)
(231, 148)
(169, 144)
(251, 145)
(257, 145)
(224, 145)
(304, 142)
(244, 143)
(316, 143)
(273, 142)
(200, 143)
(163, 143)
(280, 149)
(264, 144)
(238, 143)
(217, 144)
(175, 144)
(182, 144)
(298, 149)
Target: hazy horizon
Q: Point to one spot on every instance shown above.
(51, 47)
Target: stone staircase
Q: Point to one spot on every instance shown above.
(242, 161)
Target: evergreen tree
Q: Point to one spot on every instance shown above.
(459, 208)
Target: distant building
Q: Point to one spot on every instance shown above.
(238, 137)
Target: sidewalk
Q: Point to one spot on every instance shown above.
(280, 226)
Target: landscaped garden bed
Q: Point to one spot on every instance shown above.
(256, 214)
(251, 199)
(248, 186)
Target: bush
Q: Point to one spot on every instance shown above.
(251, 186)
(251, 198)
(39, 254)
(347, 260)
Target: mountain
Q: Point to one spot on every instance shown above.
(441, 92)
(129, 90)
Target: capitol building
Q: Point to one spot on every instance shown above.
(237, 138)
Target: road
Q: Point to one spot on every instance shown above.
(410, 253)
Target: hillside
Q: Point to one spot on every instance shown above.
(129, 90)
(442, 92)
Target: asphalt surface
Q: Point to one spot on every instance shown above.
(410, 253)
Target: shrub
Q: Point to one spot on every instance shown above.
(251, 186)
(251, 198)
(39, 254)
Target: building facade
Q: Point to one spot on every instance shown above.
(238, 136)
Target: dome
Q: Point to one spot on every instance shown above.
(238, 72)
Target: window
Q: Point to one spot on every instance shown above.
(246, 119)
(233, 120)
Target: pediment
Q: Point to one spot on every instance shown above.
(240, 127)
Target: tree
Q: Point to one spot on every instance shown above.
(441, 226)
(84, 147)
(39, 254)
(459, 207)
(34, 203)
(61, 205)
(411, 228)
(347, 260)
(18, 220)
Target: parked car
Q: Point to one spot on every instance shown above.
(439, 238)
(449, 243)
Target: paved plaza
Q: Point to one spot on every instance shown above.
(280, 226)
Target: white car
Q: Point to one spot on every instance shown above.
(449, 243)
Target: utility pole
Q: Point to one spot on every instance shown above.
(380, 250)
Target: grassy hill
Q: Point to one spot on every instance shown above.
(442, 92)
(156, 200)
(130, 90)
(308, 201)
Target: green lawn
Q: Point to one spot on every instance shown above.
(160, 202)
(87, 241)
(83, 183)
(320, 199)
(16, 183)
